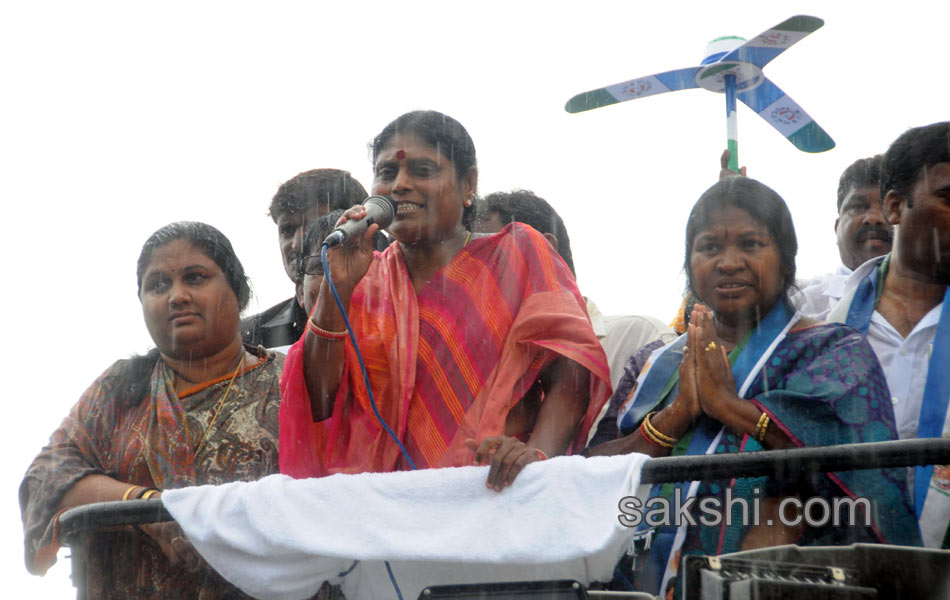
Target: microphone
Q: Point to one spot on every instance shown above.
(379, 209)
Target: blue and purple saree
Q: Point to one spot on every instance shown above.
(821, 385)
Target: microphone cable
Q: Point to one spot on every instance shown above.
(359, 356)
(369, 390)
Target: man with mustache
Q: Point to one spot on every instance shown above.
(298, 202)
(901, 301)
(862, 231)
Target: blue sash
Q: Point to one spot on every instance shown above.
(865, 298)
(933, 410)
(663, 373)
(649, 395)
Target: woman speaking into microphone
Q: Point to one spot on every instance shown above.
(475, 347)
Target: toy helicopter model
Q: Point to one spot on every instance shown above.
(733, 66)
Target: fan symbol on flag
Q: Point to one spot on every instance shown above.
(733, 66)
(638, 88)
(786, 115)
(774, 38)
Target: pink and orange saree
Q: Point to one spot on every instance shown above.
(446, 364)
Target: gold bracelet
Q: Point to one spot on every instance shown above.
(149, 493)
(128, 492)
(762, 426)
(647, 431)
(656, 432)
(651, 439)
(333, 336)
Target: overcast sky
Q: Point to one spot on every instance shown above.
(118, 118)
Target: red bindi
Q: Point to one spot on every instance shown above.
(400, 154)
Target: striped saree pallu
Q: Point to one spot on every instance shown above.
(447, 363)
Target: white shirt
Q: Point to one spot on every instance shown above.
(622, 335)
(816, 297)
(906, 362)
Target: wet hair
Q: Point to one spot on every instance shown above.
(915, 150)
(864, 172)
(441, 132)
(764, 205)
(526, 207)
(131, 379)
(330, 188)
(320, 228)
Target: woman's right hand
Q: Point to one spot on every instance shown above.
(349, 261)
(324, 357)
(679, 416)
(724, 171)
(687, 403)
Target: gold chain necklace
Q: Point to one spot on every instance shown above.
(217, 409)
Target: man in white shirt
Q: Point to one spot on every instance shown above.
(902, 302)
(862, 232)
(620, 335)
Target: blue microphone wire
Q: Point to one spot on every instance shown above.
(359, 356)
(369, 390)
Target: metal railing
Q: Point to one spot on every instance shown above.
(795, 462)
(781, 464)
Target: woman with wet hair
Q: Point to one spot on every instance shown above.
(751, 374)
(200, 408)
(476, 346)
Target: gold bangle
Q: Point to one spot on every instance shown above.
(648, 436)
(656, 432)
(149, 493)
(762, 426)
(333, 336)
(128, 492)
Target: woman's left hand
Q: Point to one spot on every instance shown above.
(507, 456)
(714, 380)
(174, 545)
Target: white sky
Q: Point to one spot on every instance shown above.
(118, 118)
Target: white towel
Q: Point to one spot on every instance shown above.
(281, 538)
